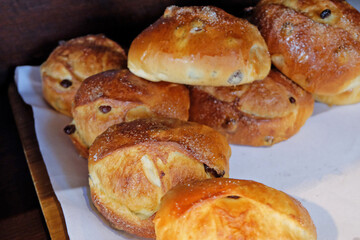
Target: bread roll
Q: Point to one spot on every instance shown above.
(258, 114)
(231, 209)
(316, 43)
(133, 164)
(200, 46)
(73, 61)
(116, 96)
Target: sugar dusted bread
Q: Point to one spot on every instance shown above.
(261, 113)
(200, 46)
(217, 209)
(316, 43)
(116, 96)
(133, 164)
(73, 61)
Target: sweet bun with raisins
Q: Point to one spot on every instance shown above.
(73, 61)
(260, 113)
(116, 96)
(315, 43)
(200, 46)
(225, 208)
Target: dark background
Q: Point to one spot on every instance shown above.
(29, 31)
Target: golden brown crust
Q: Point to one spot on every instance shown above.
(116, 96)
(200, 46)
(231, 209)
(132, 165)
(314, 43)
(74, 61)
(258, 114)
(199, 141)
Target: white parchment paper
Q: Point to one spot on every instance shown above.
(320, 166)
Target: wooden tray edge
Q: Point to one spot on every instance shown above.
(49, 203)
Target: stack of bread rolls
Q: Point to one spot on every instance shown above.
(224, 59)
(157, 134)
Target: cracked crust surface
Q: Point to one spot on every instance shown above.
(316, 43)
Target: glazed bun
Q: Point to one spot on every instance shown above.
(116, 96)
(73, 61)
(231, 209)
(258, 114)
(133, 164)
(200, 46)
(316, 43)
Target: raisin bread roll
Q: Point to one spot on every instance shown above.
(73, 61)
(316, 43)
(116, 96)
(133, 164)
(200, 46)
(231, 209)
(257, 114)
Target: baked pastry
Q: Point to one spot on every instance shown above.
(258, 114)
(116, 96)
(316, 43)
(133, 164)
(231, 209)
(73, 61)
(200, 46)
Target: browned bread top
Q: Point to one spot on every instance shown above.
(167, 99)
(316, 43)
(200, 46)
(82, 57)
(231, 209)
(336, 13)
(73, 61)
(202, 142)
(115, 96)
